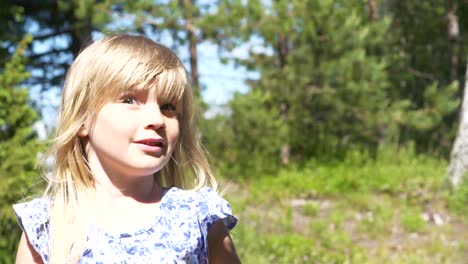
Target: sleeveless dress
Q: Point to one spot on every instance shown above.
(178, 234)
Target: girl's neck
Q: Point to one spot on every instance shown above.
(115, 182)
(143, 190)
(113, 209)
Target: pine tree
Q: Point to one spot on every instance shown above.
(323, 79)
(428, 39)
(19, 147)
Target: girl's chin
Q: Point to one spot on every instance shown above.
(152, 169)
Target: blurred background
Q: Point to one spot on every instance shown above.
(332, 121)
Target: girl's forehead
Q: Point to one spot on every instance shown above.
(146, 91)
(167, 84)
(160, 92)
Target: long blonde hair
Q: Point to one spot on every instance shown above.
(103, 70)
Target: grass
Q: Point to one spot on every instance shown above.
(394, 209)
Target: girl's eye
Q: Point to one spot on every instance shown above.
(169, 109)
(129, 100)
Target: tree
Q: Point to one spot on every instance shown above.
(426, 74)
(63, 30)
(178, 22)
(459, 156)
(349, 74)
(19, 148)
(322, 74)
(60, 29)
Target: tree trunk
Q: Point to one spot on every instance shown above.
(453, 34)
(81, 36)
(459, 157)
(373, 10)
(282, 50)
(285, 148)
(192, 38)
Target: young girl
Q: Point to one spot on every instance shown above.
(129, 172)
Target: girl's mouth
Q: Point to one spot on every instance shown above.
(151, 142)
(151, 145)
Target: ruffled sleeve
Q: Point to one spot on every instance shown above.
(213, 208)
(33, 218)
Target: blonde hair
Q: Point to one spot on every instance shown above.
(102, 71)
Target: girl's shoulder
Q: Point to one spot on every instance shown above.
(34, 211)
(205, 202)
(33, 218)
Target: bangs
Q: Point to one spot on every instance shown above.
(169, 86)
(146, 68)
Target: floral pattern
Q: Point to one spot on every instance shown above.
(177, 235)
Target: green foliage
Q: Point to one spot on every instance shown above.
(251, 136)
(289, 248)
(310, 209)
(370, 221)
(412, 221)
(420, 73)
(437, 106)
(19, 148)
(60, 29)
(357, 172)
(331, 86)
(10, 14)
(458, 199)
(336, 82)
(327, 246)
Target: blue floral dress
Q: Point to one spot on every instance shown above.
(178, 234)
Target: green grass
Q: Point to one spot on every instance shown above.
(354, 211)
(310, 209)
(412, 220)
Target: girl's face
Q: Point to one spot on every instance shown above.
(134, 135)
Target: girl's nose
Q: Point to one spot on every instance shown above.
(154, 119)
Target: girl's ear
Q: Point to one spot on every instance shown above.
(83, 132)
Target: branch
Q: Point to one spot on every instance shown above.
(421, 74)
(52, 51)
(52, 34)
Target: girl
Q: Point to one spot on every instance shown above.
(129, 172)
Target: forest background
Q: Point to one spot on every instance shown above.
(336, 153)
